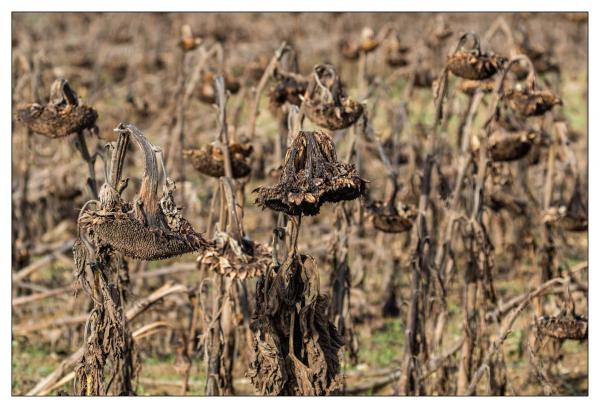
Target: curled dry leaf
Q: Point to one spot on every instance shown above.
(311, 177)
(62, 116)
(326, 102)
(209, 159)
(297, 350)
(151, 227)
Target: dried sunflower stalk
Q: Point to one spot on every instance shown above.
(209, 159)
(62, 116)
(151, 227)
(296, 348)
(311, 177)
(326, 102)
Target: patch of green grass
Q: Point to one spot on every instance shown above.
(385, 344)
(30, 363)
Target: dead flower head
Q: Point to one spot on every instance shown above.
(327, 104)
(528, 101)
(290, 88)
(62, 116)
(150, 227)
(187, 41)
(390, 218)
(311, 177)
(396, 53)
(209, 159)
(206, 87)
(367, 43)
(472, 63)
(572, 217)
(507, 145)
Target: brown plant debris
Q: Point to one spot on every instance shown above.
(209, 159)
(297, 350)
(241, 261)
(326, 102)
(62, 116)
(311, 177)
(151, 227)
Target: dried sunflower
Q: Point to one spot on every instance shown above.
(563, 327)
(206, 87)
(529, 101)
(311, 177)
(151, 227)
(62, 116)
(505, 145)
(210, 160)
(390, 218)
(472, 63)
(574, 216)
(367, 43)
(326, 102)
(187, 41)
(290, 88)
(396, 53)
